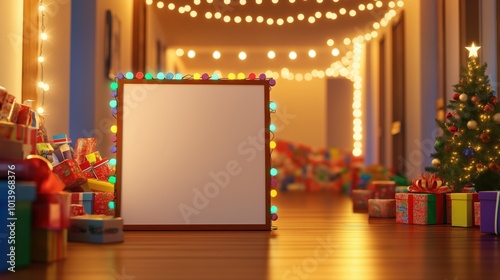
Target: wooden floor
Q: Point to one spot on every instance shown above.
(319, 237)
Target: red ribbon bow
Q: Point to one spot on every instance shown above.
(429, 183)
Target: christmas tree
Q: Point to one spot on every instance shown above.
(468, 151)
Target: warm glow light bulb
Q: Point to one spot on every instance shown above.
(312, 53)
(329, 42)
(41, 59)
(41, 8)
(191, 54)
(241, 76)
(242, 55)
(231, 76)
(40, 110)
(149, 2)
(43, 36)
(216, 54)
(179, 52)
(335, 52)
(271, 54)
(160, 4)
(274, 193)
(292, 55)
(272, 144)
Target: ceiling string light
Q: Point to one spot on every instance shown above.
(331, 15)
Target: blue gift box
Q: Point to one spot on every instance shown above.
(15, 223)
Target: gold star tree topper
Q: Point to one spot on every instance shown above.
(473, 50)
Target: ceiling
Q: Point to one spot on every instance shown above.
(206, 35)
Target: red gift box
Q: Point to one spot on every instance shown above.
(19, 133)
(70, 173)
(24, 115)
(420, 208)
(382, 208)
(77, 210)
(448, 208)
(383, 189)
(83, 147)
(86, 199)
(101, 203)
(52, 211)
(99, 170)
(7, 107)
(360, 199)
(477, 213)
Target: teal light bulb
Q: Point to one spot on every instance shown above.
(272, 127)
(274, 171)
(112, 162)
(272, 106)
(160, 76)
(129, 75)
(274, 209)
(113, 103)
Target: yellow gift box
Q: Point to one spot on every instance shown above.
(462, 209)
(100, 186)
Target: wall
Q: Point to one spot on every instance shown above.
(90, 114)
(11, 40)
(154, 34)
(56, 51)
(339, 114)
(103, 120)
(488, 37)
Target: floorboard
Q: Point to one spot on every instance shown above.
(318, 237)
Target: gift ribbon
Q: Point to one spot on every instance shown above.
(496, 213)
(429, 183)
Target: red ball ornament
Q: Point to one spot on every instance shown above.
(493, 100)
(448, 115)
(448, 148)
(453, 129)
(485, 137)
(475, 99)
(456, 96)
(494, 167)
(488, 108)
(479, 166)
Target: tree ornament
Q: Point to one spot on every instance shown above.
(435, 162)
(472, 125)
(485, 137)
(448, 148)
(479, 166)
(475, 99)
(455, 96)
(493, 100)
(488, 108)
(438, 144)
(469, 153)
(494, 166)
(496, 118)
(463, 97)
(453, 129)
(448, 115)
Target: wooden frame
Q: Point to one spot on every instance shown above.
(187, 154)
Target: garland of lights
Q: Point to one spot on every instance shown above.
(205, 76)
(279, 21)
(44, 87)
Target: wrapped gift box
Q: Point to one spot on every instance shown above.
(383, 189)
(7, 107)
(448, 208)
(99, 170)
(77, 210)
(462, 207)
(52, 211)
(360, 199)
(96, 229)
(70, 173)
(420, 208)
(101, 186)
(382, 208)
(101, 203)
(490, 206)
(401, 189)
(477, 213)
(14, 150)
(25, 193)
(49, 245)
(84, 198)
(19, 133)
(83, 147)
(24, 116)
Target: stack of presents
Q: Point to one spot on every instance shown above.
(50, 191)
(302, 167)
(428, 201)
